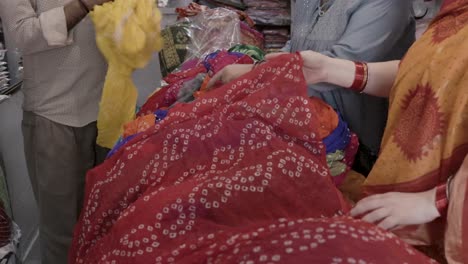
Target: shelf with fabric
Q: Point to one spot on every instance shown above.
(12, 161)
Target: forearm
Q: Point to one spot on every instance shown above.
(381, 76)
(38, 31)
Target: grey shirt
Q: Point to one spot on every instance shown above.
(361, 30)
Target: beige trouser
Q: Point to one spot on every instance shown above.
(58, 158)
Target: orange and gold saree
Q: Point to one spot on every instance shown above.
(426, 139)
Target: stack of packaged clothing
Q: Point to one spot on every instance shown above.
(275, 38)
(237, 4)
(269, 13)
(4, 77)
(273, 17)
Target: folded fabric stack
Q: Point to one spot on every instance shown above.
(276, 13)
(237, 4)
(274, 20)
(275, 38)
(4, 77)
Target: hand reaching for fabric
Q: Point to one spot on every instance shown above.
(315, 70)
(229, 73)
(392, 210)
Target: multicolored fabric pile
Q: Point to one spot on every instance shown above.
(237, 175)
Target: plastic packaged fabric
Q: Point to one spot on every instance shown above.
(213, 30)
(127, 33)
(201, 32)
(194, 37)
(177, 39)
(266, 4)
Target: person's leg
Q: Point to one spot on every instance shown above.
(90, 154)
(58, 157)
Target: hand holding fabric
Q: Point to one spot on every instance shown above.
(315, 70)
(393, 210)
(229, 73)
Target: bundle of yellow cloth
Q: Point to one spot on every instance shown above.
(127, 33)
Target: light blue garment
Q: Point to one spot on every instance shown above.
(360, 30)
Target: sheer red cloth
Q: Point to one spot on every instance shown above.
(238, 176)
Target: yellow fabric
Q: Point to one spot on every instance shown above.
(127, 33)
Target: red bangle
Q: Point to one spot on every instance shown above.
(361, 77)
(441, 201)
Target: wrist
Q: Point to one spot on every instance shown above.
(433, 201)
(339, 72)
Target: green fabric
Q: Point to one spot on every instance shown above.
(334, 161)
(252, 51)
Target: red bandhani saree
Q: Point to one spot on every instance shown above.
(237, 176)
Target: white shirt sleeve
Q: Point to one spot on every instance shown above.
(35, 32)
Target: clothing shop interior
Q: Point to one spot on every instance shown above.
(233, 131)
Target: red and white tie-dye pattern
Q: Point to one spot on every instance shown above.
(209, 183)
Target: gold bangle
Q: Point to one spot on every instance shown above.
(449, 183)
(366, 78)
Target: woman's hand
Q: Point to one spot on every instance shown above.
(393, 210)
(229, 73)
(315, 69)
(316, 66)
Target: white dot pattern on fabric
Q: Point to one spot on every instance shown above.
(210, 186)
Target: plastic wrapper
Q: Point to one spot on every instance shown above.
(4, 74)
(266, 4)
(238, 4)
(193, 38)
(212, 30)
